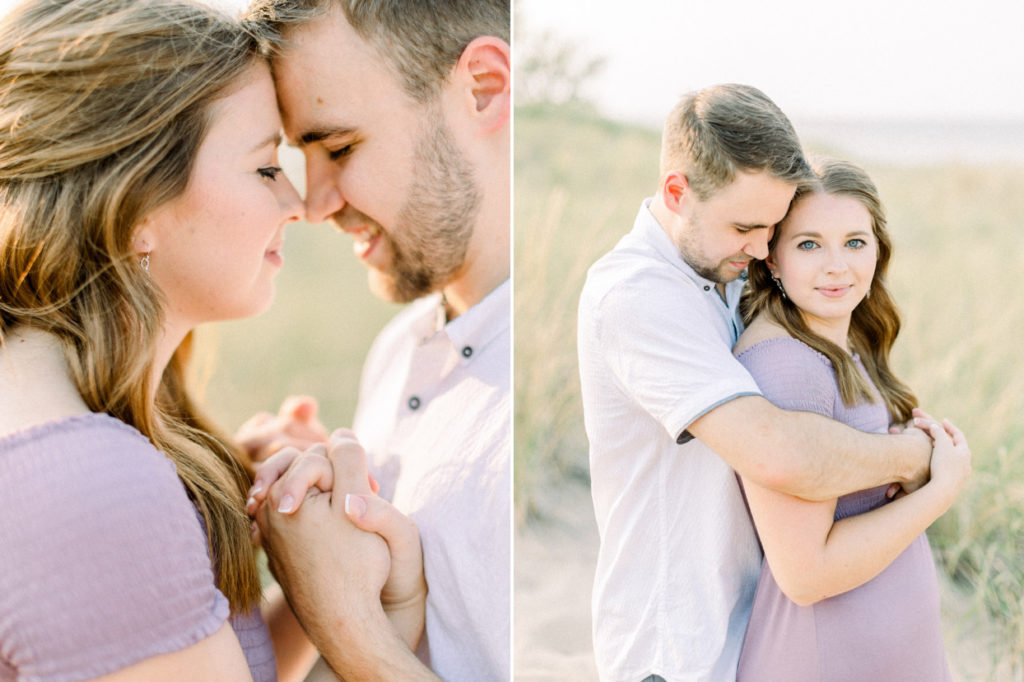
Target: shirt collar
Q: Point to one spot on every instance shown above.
(647, 228)
(479, 325)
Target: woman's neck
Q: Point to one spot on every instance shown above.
(835, 330)
(168, 342)
(36, 384)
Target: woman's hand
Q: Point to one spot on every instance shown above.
(293, 473)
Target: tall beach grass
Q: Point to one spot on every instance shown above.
(579, 180)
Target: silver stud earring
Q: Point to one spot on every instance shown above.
(778, 283)
(144, 262)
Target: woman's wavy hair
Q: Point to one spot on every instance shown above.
(875, 322)
(103, 107)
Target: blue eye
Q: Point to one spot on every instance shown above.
(269, 172)
(806, 245)
(856, 243)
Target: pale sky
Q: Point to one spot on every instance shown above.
(902, 59)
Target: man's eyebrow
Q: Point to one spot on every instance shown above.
(309, 137)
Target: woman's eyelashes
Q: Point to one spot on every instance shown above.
(269, 172)
(853, 243)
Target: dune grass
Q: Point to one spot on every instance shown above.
(578, 182)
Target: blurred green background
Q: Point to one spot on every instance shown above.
(312, 340)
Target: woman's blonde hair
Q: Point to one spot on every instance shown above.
(875, 322)
(103, 107)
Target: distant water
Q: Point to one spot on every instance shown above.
(916, 142)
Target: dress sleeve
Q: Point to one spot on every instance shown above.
(104, 561)
(792, 375)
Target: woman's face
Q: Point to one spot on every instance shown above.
(825, 257)
(214, 250)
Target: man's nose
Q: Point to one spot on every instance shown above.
(757, 246)
(323, 195)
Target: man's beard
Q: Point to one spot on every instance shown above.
(430, 236)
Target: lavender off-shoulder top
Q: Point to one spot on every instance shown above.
(103, 562)
(886, 629)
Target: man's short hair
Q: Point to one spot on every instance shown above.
(421, 40)
(714, 132)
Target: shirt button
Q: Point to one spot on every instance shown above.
(707, 287)
(467, 352)
(414, 403)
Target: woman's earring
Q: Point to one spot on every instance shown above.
(144, 262)
(778, 283)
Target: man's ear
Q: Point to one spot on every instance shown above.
(675, 191)
(485, 70)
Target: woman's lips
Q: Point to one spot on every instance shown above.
(834, 291)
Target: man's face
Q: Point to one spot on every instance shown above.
(719, 236)
(382, 167)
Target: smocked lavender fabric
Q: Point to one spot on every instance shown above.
(102, 561)
(886, 629)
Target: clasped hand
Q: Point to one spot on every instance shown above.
(339, 551)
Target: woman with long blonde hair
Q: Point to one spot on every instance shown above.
(139, 197)
(848, 588)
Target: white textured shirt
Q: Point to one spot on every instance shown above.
(679, 559)
(434, 415)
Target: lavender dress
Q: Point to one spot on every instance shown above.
(102, 560)
(886, 629)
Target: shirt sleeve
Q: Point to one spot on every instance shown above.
(669, 353)
(105, 563)
(792, 375)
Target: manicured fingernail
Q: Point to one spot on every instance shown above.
(287, 504)
(256, 489)
(355, 505)
(250, 505)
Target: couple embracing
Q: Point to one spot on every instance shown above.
(141, 196)
(761, 478)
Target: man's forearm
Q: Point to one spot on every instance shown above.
(807, 455)
(408, 619)
(830, 459)
(369, 648)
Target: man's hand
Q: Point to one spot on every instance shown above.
(293, 480)
(295, 425)
(916, 427)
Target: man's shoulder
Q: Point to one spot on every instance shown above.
(633, 278)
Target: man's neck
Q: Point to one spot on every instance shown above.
(488, 262)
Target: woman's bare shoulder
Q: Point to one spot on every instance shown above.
(760, 329)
